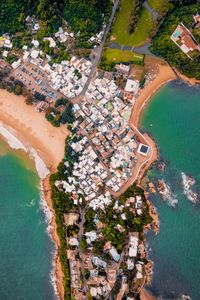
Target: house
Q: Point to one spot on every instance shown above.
(132, 86)
(122, 68)
(8, 44)
(197, 20)
(114, 254)
(35, 43)
(91, 236)
(73, 241)
(34, 54)
(16, 64)
(131, 89)
(5, 53)
(52, 43)
(71, 218)
(41, 106)
(2, 41)
(184, 39)
(133, 244)
(99, 262)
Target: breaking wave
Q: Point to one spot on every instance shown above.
(188, 182)
(42, 170)
(167, 194)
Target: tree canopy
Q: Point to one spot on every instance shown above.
(84, 17)
(163, 46)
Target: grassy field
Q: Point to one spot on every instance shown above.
(158, 5)
(119, 31)
(144, 26)
(116, 55)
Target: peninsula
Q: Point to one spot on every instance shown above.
(72, 93)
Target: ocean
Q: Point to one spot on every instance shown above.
(172, 118)
(26, 249)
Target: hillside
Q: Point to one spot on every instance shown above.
(85, 17)
(162, 45)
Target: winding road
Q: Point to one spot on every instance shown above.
(97, 55)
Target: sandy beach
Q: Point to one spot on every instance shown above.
(34, 131)
(165, 74)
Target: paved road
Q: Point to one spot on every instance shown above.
(97, 52)
(143, 49)
(140, 50)
(151, 10)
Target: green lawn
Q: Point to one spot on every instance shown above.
(159, 5)
(116, 55)
(119, 30)
(144, 26)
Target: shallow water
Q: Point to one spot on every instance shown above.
(172, 118)
(26, 250)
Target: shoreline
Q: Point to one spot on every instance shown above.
(26, 130)
(34, 133)
(45, 195)
(165, 74)
(58, 273)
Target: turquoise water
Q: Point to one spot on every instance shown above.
(172, 118)
(25, 247)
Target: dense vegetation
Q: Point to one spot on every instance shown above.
(61, 113)
(84, 17)
(162, 45)
(61, 205)
(133, 24)
(135, 15)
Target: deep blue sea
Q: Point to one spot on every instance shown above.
(172, 118)
(26, 250)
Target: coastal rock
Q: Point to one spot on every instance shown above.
(166, 193)
(161, 166)
(188, 182)
(152, 188)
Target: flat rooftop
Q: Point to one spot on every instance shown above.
(143, 149)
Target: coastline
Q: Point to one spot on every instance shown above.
(164, 75)
(26, 130)
(53, 232)
(34, 131)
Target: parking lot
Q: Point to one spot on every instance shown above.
(35, 80)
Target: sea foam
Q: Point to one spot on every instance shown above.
(42, 170)
(167, 194)
(188, 182)
(13, 142)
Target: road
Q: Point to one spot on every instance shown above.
(144, 49)
(151, 10)
(140, 50)
(97, 52)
